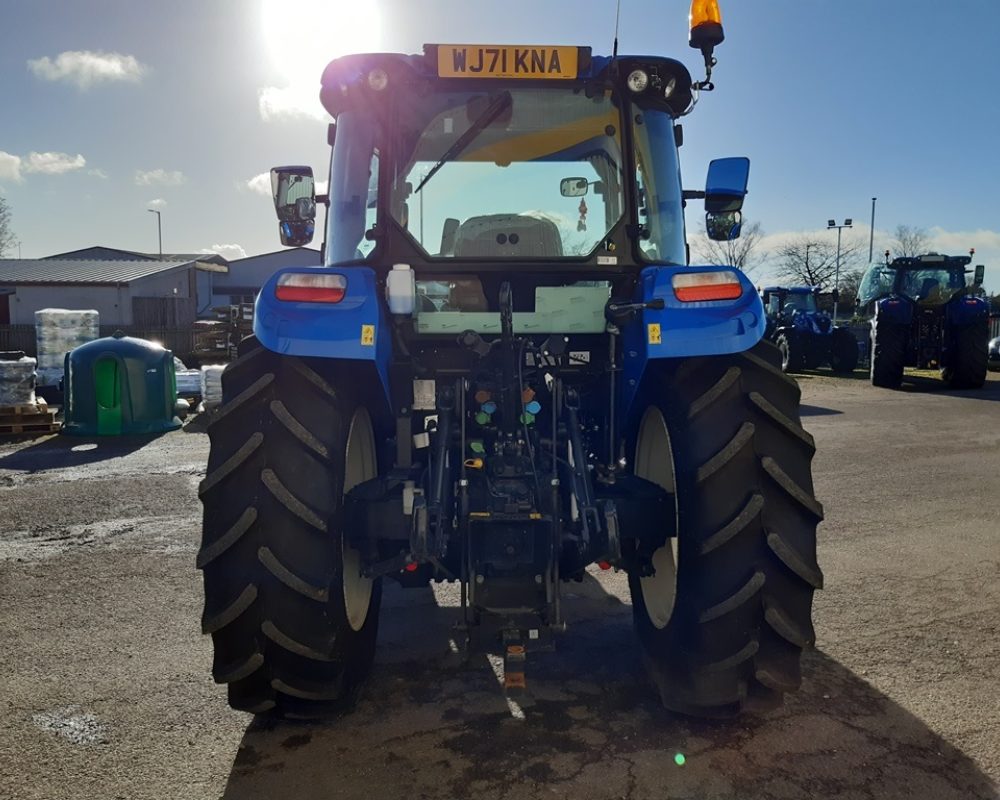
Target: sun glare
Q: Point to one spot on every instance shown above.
(303, 37)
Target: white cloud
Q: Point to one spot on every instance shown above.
(227, 251)
(10, 167)
(260, 184)
(958, 242)
(159, 177)
(157, 204)
(291, 102)
(98, 173)
(85, 68)
(53, 163)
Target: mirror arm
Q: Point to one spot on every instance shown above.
(692, 194)
(323, 199)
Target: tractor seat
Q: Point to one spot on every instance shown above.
(508, 236)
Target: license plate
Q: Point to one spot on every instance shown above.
(507, 61)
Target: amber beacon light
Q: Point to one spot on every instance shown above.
(706, 25)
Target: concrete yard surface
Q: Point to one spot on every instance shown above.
(106, 692)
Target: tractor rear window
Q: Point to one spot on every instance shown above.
(518, 173)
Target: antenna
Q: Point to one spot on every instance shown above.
(618, 13)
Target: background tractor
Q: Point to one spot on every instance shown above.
(926, 314)
(506, 371)
(806, 336)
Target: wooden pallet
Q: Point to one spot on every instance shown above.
(33, 427)
(28, 418)
(39, 407)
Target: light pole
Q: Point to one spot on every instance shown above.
(159, 230)
(871, 235)
(830, 225)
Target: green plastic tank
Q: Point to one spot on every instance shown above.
(118, 386)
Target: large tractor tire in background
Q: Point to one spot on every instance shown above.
(843, 351)
(725, 618)
(791, 351)
(888, 354)
(292, 620)
(968, 357)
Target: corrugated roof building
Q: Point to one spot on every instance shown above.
(127, 289)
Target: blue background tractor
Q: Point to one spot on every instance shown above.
(806, 336)
(506, 371)
(925, 313)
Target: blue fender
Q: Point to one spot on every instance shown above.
(679, 330)
(895, 309)
(966, 310)
(354, 329)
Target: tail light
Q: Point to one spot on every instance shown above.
(693, 287)
(304, 287)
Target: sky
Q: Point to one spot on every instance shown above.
(111, 107)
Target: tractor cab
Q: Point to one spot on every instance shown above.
(929, 280)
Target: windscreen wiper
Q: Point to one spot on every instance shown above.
(500, 104)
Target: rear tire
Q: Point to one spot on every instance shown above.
(888, 354)
(725, 618)
(792, 357)
(843, 351)
(294, 631)
(969, 358)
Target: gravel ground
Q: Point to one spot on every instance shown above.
(104, 678)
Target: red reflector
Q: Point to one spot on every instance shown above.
(410, 567)
(302, 287)
(603, 565)
(693, 287)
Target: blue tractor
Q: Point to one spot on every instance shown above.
(506, 371)
(926, 313)
(806, 336)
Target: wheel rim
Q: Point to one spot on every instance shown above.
(359, 466)
(654, 461)
(783, 349)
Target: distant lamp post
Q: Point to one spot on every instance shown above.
(159, 229)
(830, 225)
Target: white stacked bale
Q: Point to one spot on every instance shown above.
(17, 382)
(189, 383)
(57, 332)
(211, 385)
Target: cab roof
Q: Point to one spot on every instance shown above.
(346, 76)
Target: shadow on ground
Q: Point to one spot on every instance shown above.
(817, 411)
(431, 726)
(60, 452)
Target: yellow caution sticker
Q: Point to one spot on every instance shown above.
(367, 335)
(653, 333)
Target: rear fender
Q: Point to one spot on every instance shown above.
(355, 329)
(965, 310)
(679, 329)
(894, 309)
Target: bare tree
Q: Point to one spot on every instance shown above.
(910, 241)
(8, 241)
(809, 261)
(744, 253)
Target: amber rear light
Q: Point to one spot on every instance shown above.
(695, 287)
(303, 287)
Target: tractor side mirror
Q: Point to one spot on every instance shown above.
(977, 279)
(294, 193)
(726, 185)
(573, 187)
(725, 188)
(723, 226)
